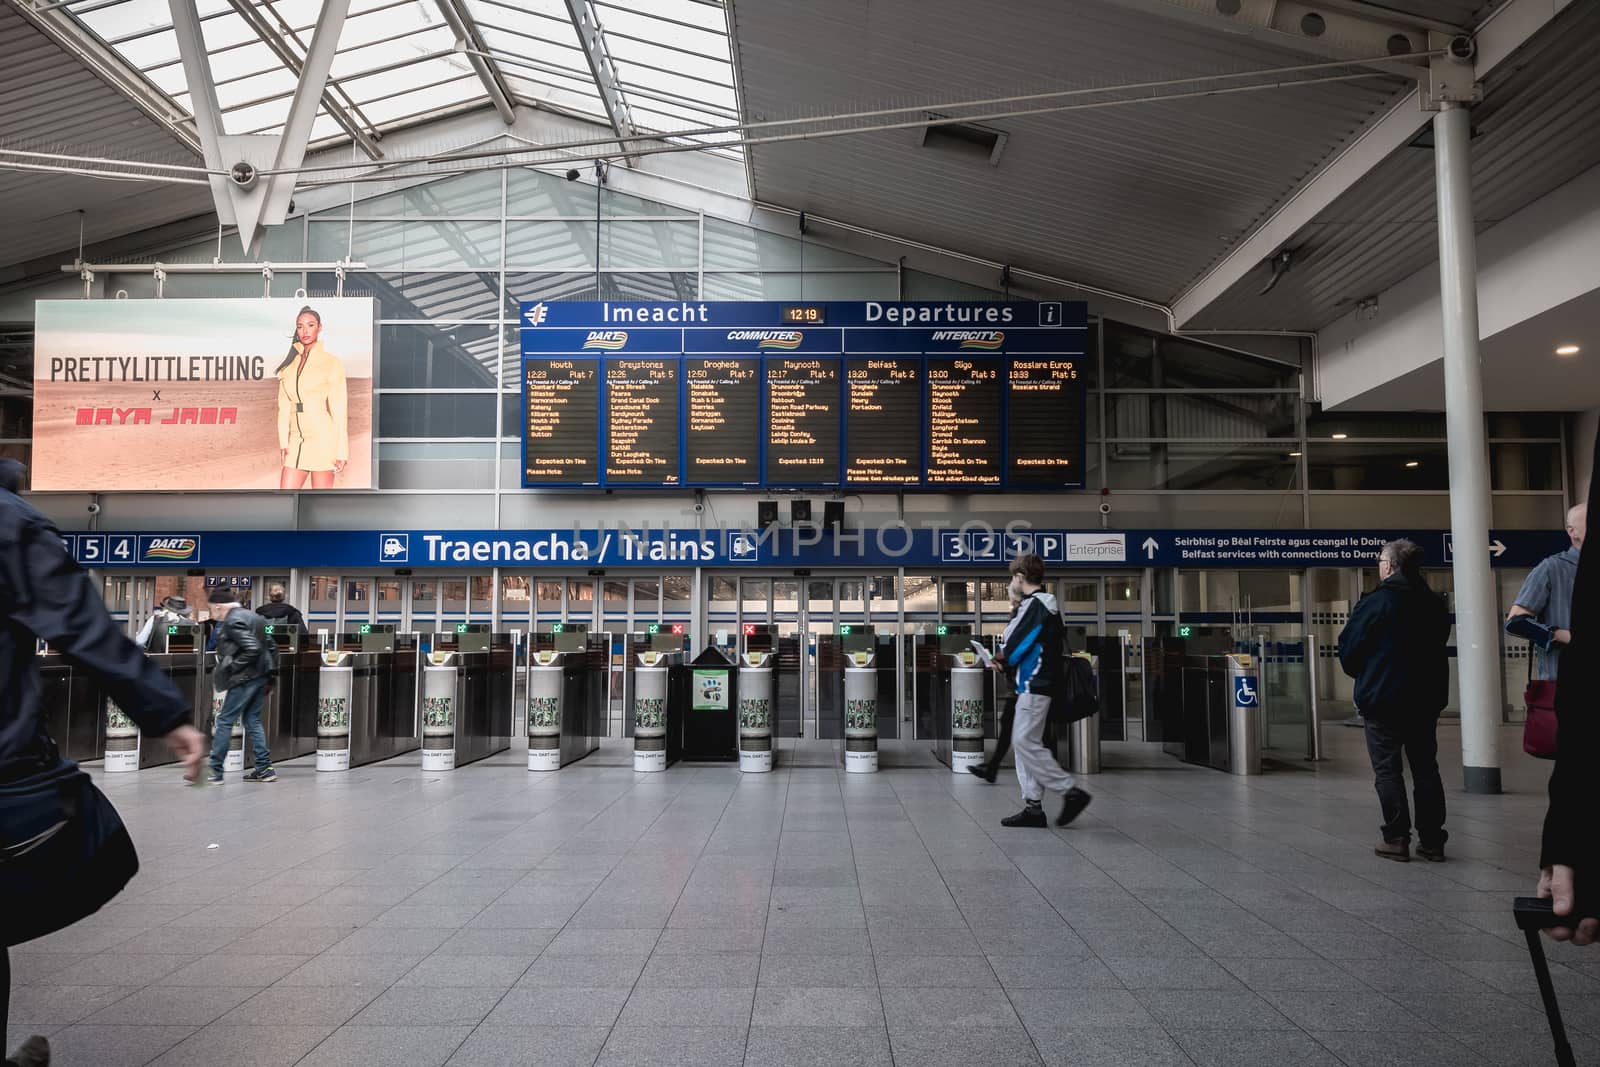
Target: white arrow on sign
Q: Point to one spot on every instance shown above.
(1150, 547)
(1497, 548)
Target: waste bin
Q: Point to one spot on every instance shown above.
(966, 715)
(861, 713)
(546, 676)
(650, 712)
(440, 678)
(334, 683)
(755, 712)
(1244, 715)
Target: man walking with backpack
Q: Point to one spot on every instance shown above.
(1031, 658)
(246, 658)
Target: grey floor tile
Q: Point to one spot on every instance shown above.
(1301, 975)
(736, 970)
(963, 1046)
(676, 1046)
(1050, 972)
(170, 1006)
(1107, 1047)
(531, 1046)
(502, 941)
(234, 968)
(1143, 972)
(693, 940)
(560, 1006)
(31, 968)
(1161, 942)
(824, 1006)
(925, 941)
(932, 972)
(277, 939)
(123, 968)
(800, 970)
(376, 1046)
(233, 1044)
(1358, 1049)
(602, 942)
(53, 1005)
(347, 971)
(302, 1005)
(426, 915)
(1253, 1048)
(687, 1005)
(809, 942)
(1511, 1048)
(817, 1046)
(1455, 1013)
(114, 1046)
(392, 941)
(416, 1006)
(457, 972)
(912, 1009)
(583, 971)
(1195, 1009)
(1345, 1010)
(1075, 1009)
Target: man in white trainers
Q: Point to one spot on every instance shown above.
(246, 658)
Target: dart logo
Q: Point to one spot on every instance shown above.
(608, 340)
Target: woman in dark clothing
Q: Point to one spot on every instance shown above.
(1570, 857)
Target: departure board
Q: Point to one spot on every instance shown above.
(722, 431)
(883, 421)
(875, 395)
(964, 422)
(1046, 443)
(802, 421)
(561, 406)
(642, 421)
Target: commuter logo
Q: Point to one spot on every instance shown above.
(608, 340)
(395, 548)
(1244, 691)
(785, 340)
(172, 549)
(537, 314)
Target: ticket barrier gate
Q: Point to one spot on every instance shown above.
(757, 688)
(367, 698)
(652, 719)
(176, 652)
(704, 694)
(467, 691)
(568, 687)
(1209, 706)
(853, 667)
(289, 715)
(74, 707)
(961, 695)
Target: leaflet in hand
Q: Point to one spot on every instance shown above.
(983, 653)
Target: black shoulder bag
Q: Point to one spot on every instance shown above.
(64, 852)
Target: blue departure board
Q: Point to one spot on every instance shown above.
(966, 396)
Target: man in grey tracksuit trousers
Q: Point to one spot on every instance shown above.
(1031, 657)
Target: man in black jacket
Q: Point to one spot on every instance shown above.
(1394, 647)
(278, 609)
(1570, 857)
(45, 596)
(246, 658)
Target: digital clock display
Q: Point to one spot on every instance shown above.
(815, 314)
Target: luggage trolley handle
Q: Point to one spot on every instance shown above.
(1533, 915)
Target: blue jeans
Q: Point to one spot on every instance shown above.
(245, 698)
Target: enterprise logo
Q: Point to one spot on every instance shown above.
(987, 340)
(176, 549)
(1102, 548)
(781, 339)
(609, 340)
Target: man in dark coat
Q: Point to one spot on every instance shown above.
(278, 609)
(1394, 647)
(1571, 853)
(45, 596)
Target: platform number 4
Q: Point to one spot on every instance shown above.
(122, 549)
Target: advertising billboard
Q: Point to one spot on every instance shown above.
(203, 394)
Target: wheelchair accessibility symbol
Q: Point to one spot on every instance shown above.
(1244, 691)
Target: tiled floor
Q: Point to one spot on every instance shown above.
(492, 916)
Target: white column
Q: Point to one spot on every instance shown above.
(1477, 618)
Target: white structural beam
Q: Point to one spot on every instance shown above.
(348, 118)
(52, 19)
(592, 40)
(1332, 31)
(1501, 35)
(470, 42)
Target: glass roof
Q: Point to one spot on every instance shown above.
(398, 61)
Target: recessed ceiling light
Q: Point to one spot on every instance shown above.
(1568, 350)
(1294, 455)
(1340, 436)
(1412, 463)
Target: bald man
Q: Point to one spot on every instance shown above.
(1547, 595)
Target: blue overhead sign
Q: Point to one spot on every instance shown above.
(931, 545)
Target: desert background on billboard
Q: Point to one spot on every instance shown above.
(182, 394)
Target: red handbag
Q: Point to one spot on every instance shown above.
(1539, 731)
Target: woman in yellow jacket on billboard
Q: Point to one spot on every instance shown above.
(313, 430)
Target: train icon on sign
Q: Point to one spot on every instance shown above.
(742, 545)
(395, 548)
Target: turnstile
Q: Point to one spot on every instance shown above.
(467, 687)
(1209, 705)
(568, 684)
(649, 717)
(849, 680)
(289, 715)
(956, 695)
(367, 698)
(176, 652)
(74, 707)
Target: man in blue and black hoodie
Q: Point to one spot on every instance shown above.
(1031, 658)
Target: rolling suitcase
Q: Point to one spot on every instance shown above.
(1533, 915)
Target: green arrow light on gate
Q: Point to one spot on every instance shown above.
(558, 627)
(172, 629)
(1186, 631)
(653, 628)
(364, 628)
(461, 627)
(269, 628)
(844, 629)
(941, 630)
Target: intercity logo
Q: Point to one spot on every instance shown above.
(537, 314)
(609, 340)
(782, 339)
(988, 340)
(176, 549)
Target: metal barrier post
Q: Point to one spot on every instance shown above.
(1313, 706)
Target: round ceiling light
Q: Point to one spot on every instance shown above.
(1568, 350)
